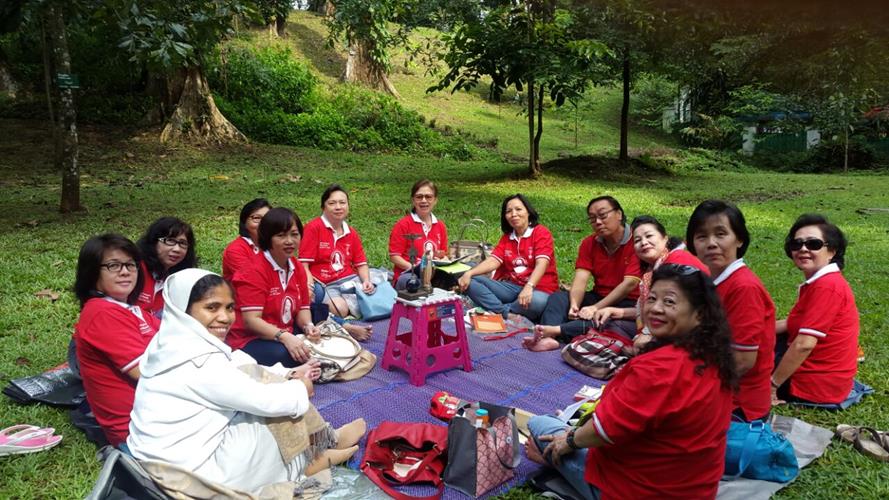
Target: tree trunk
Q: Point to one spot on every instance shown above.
(540, 95)
(272, 29)
(533, 157)
(65, 124)
(846, 151)
(281, 24)
(625, 110)
(8, 84)
(325, 7)
(166, 90)
(46, 45)
(196, 118)
(361, 69)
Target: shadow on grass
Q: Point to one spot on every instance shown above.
(603, 168)
(313, 44)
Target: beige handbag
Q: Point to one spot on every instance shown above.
(342, 357)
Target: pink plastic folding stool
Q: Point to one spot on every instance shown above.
(426, 348)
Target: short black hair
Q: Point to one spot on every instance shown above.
(203, 286)
(90, 260)
(533, 218)
(167, 227)
(615, 205)
(672, 241)
(276, 221)
(333, 188)
(709, 208)
(251, 206)
(833, 236)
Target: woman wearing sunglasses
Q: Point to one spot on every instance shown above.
(659, 430)
(167, 246)
(822, 329)
(429, 234)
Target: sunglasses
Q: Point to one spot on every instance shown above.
(813, 244)
(681, 269)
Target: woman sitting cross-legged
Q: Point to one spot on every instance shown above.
(524, 265)
(659, 430)
(198, 408)
(820, 361)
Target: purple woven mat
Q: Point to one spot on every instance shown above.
(502, 373)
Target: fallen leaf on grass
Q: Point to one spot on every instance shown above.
(46, 293)
(574, 229)
(22, 361)
(219, 178)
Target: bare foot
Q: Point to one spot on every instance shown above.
(358, 332)
(329, 458)
(550, 331)
(533, 452)
(545, 344)
(311, 369)
(348, 435)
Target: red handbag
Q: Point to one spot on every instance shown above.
(405, 453)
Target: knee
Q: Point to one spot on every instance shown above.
(540, 425)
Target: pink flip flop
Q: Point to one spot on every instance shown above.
(20, 439)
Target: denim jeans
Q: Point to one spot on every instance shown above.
(556, 313)
(572, 465)
(502, 297)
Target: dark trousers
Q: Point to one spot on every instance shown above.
(556, 313)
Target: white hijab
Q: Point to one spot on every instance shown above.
(181, 338)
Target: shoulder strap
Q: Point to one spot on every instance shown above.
(755, 431)
(376, 476)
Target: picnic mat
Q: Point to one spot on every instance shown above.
(502, 373)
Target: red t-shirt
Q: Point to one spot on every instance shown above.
(152, 298)
(682, 257)
(330, 258)
(236, 255)
(665, 428)
(518, 257)
(258, 287)
(435, 239)
(609, 270)
(751, 317)
(825, 310)
(110, 339)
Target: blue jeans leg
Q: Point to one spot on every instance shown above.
(534, 309)
(572, 465)
(493, 295)
(269, 352)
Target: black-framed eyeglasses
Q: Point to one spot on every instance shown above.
(115, 267)
(421, 197)
(681, 269)
(171, 242)
(813, 244)
(601, 216)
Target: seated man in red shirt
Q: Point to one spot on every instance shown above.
(660, 428)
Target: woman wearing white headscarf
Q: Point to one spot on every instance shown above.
(198, 408)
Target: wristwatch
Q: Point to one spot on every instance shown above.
(278, 335)
(569, 438)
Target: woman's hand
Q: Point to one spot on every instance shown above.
(601, 316)
(573, 310)
(464, 280)
(587, 313)
(296, 347)
(525, 296)
(775, 400)
(558, 446)
(313, 333)
(368, 287)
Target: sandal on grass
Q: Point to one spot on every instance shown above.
(870, 442)
(847, 433)
(20, 439)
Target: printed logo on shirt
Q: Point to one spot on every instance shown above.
(145, 329)
(287, 310)
(323, 244)
(429, 247)
(275, 291)
(336, 261)
(145, 297)
(519, 265)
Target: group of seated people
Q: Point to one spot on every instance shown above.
(702, 324)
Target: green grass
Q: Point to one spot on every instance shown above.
(129, 180)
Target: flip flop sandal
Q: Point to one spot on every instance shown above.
(20, 439)
(847, 433)
(873, 448)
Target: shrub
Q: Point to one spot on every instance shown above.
(651, 94)
(830, 155)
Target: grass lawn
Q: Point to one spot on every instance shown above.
(129, 180)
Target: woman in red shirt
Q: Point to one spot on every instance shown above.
(820, 362)
(523, 262)
(167, 246)
(659, 430)
(242, 249)
(431, 233)
(273, 301)
(113, 331)
(718, 235)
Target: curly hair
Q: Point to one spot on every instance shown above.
(711, 341)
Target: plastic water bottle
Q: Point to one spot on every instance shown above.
(482, 419)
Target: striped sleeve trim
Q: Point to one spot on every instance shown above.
(251, 308)
(812, 332)
(542, 257)
(745, 347)
(394, 253)
(361, 263)
(132, 364)
(498, 258)
(600, 431)
(633, 277)
(304, 308)
(306, 259)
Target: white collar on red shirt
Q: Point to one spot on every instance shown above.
(136, 310)
(283, 275)
(328, 225)
(724, 275)
(426, 228)
(252, 245)
(526, 234)
(830, 268)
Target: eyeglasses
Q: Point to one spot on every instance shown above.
(171, 242)
(601, 216)
(421, 197)
(680, 269)
(813, 244)
(255, 218)
(115, 267)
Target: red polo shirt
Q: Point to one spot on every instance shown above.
(434, 237)
(825, 310)
(609, 270)
(518, 255)
(151, 298)
(110, 338)
(263, 286)
(236, 255)
(751, 317)
(330, 258)
(665, 429)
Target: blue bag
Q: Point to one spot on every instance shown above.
(753, 450)
(377, 305)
